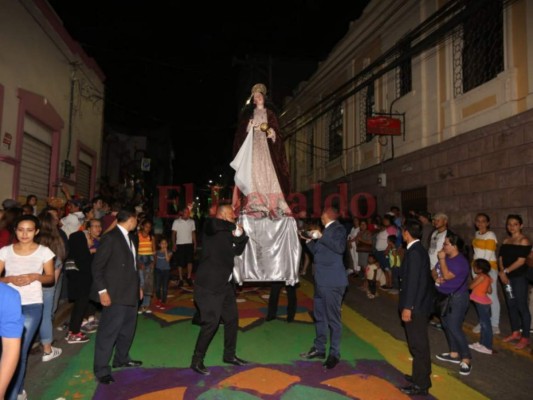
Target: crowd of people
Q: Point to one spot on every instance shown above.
(40, 254)
(47, 257)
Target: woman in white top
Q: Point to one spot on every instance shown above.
(27, 266)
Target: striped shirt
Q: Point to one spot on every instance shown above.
(484, 246)
(145, 245)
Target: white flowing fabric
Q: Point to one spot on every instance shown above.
(272, 253)
(242, 164)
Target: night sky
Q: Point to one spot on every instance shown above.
(192, 70)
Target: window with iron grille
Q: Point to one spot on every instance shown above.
(366, 110)
(404, 75)
(311, 150)
(478, 47)
(336, 126)
(414, 200)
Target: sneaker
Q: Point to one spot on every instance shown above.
(480, 348)
(522, 343)
(370, 296)
(56, 352)
(89, 327)
(436, 325)
(147, 310)
(473, 346)
(476, 329)
(464, 369)
(22, 396)
(74, 338)
(514, 336)
(447, 357)
(495, 330)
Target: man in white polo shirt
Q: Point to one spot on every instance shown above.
(184, 243)
(440, 223)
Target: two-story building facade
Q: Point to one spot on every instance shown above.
(458, 76)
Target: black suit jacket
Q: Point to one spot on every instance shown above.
(114, 269)
(219, 247)
(416, 285)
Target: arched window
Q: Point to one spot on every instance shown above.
(336, 127)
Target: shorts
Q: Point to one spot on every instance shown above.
(184, 254)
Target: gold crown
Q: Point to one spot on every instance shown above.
(259, 87)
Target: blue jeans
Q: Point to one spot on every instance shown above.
(452, 323)
(518, 307)
(495, 306)
(162, 277)
(32, 318)
(146, 277)
(483, 312)
(396, 277)
(46, 332)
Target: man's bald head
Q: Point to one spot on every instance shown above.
(225, 212)
(329, 214)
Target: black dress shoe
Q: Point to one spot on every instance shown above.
(270, 317)
(129, 364)
(413, 390)
(408, 378)
(331, 362)
(313, 353)
(290, 319)
(106, 379)
(235, 361)
(200, 368)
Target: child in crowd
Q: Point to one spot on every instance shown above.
(145, 257)
(395, 261)
(481, 288)
(162, 273)
(371, 271)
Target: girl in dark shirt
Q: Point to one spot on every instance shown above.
(512, 270)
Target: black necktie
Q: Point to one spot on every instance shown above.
(132, 252)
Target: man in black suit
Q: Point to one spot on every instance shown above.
(116, 280)
(416, 299)
(214, 292)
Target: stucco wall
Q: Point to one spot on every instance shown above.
(35, 58)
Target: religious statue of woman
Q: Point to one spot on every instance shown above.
(260, 163)
(262, 176)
